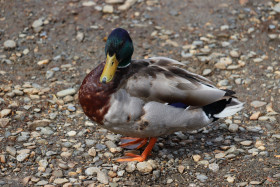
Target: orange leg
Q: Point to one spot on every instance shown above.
(143, 156)
(136, 143)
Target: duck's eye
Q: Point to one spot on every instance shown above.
(112, 63)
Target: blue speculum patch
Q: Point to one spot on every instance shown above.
(178, 105)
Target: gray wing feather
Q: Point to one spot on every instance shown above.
(166, 80)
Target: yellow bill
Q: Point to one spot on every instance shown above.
(109, 69)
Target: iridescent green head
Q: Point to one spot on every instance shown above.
(118, 51)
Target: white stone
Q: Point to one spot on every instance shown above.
(5, 112)
(220, 155)
(43, 163)
(114, 1)
(276, 8)
(37, 23)
(144, 167)
(108, 9)
(257, 104)
(43, 62)
(60, 180)
(206, 72)
(9, 44)
(80, 36)
(21, 157)
(246, 143)
(233, 127)
(66, 92)
(88, 3)
(101, 177)
(234, 53)
(127, 5)
(230, 179)
(11, 150)
(71, 133)
(214, 167)
(130, 167)
(92, 152)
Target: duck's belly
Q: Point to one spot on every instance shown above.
(131, 116)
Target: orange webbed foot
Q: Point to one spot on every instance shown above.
(140, 158)
(133, 143)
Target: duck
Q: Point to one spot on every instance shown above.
(145, 99)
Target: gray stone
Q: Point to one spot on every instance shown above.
(90, 142)
(60, 180)
(201, 177)
(144, 167)
(206, 72)
(9, 44)
(130, 167)
(111, 146)
(257, 104)
(37, 23)
(121, 173)
(214, 167)
(92, 152)
(5, 112)
(4, 122)
(50, 153)
(11, 150)
(223, 82)
(57, 173)
(233, 127)
(276, 8)
(43, 163)
(46, 131)
(21, 157)
(276, 136)
(49, 74)
(71, 108)
(101, 177)
(42, 183)
(80, 36)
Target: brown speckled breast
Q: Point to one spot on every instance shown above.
(94, 96)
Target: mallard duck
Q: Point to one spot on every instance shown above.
(145, 99)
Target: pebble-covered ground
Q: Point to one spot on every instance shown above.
(47, 48)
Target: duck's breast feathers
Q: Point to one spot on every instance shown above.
(167, 80)
(94, 96)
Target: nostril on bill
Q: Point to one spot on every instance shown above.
(104, 80)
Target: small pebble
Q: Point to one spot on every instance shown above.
(233, 127)
(255, 116)
(9, 44)
(196, 158)
(201, 177)
(230, 179)
(66, 92)
(257, 104)
(246, 143)
(144, 167)
(108, 9)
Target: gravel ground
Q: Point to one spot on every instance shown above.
(47, 48)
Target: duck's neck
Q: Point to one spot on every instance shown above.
(124, 63)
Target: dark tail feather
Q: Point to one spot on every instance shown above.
(222, 108)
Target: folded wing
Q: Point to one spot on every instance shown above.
(166, 80)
